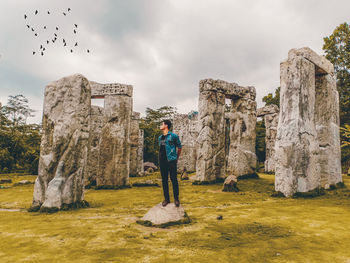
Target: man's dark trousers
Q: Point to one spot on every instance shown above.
(166, 168)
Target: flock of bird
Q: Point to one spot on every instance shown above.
(54, 35)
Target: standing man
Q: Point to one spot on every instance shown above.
(168, 156)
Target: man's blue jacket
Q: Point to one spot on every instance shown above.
(172, 141)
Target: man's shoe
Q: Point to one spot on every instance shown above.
(165, 202)
(177, 203)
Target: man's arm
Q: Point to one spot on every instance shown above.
(179, 146)
(178, 152)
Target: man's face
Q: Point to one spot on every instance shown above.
(163, 126)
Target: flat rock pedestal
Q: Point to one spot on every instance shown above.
(159, 216)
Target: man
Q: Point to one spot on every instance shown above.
(168, 142)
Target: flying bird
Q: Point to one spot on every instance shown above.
(56, 28)
(48, 12)
(44, 27)
(28, 26)
(36, 12)
(25, 16)
(36, 34)
(71, 50)
(55, 34)
(88, 51)
(42, 53)
(76, 26)
(76, 44)
(41, 46)
(47, 41)
(43, 49)
(75, 31)
(64, 13)
(65, 44)
(33, 52)
(68, 9)
(33, 29)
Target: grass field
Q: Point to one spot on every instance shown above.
(255, 226)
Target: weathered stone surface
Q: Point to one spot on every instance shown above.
(114, 148)
(99, 90)
(159, 215)
(136, 145)
(210, 163)
(241, 157)
(186, 126)
(270, 114)
(64, 143)
(230, 184)
(307, 144)
(323, 66)
(140, 152)
(147, 165)
(297, 167)
(267, 110)
(240, 121)
(327, 127)
(96, 124)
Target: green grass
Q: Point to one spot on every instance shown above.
(255, 226)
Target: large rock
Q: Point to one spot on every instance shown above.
(64, 144)
(136, 145)
(307, 143)
(226, 140)
(270, 114)
(230, 184)
(241, 122)
(186, 126)
(162, 216)
(96, 125)
(114, 149)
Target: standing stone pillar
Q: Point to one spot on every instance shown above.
(134, 144)
(185, 125)
(96, 124)
(211, 134)
(64, 144)
(241, 159)
(140, 151)
(114, 147)
(327, 126)
(270, 114)
(307, 128)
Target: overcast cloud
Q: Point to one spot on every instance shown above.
(161, 47)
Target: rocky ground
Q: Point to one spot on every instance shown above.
(244, 226)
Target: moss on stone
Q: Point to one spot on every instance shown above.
(310, 194)
(185, 220)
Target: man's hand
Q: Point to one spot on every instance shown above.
(178, 152)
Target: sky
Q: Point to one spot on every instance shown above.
(161, 47)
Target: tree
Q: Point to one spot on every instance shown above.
(19, 142)
(270, 99)
(150, 124)
(337, 49)
(260, 146)
(17, 109)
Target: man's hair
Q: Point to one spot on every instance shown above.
(167, 123)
